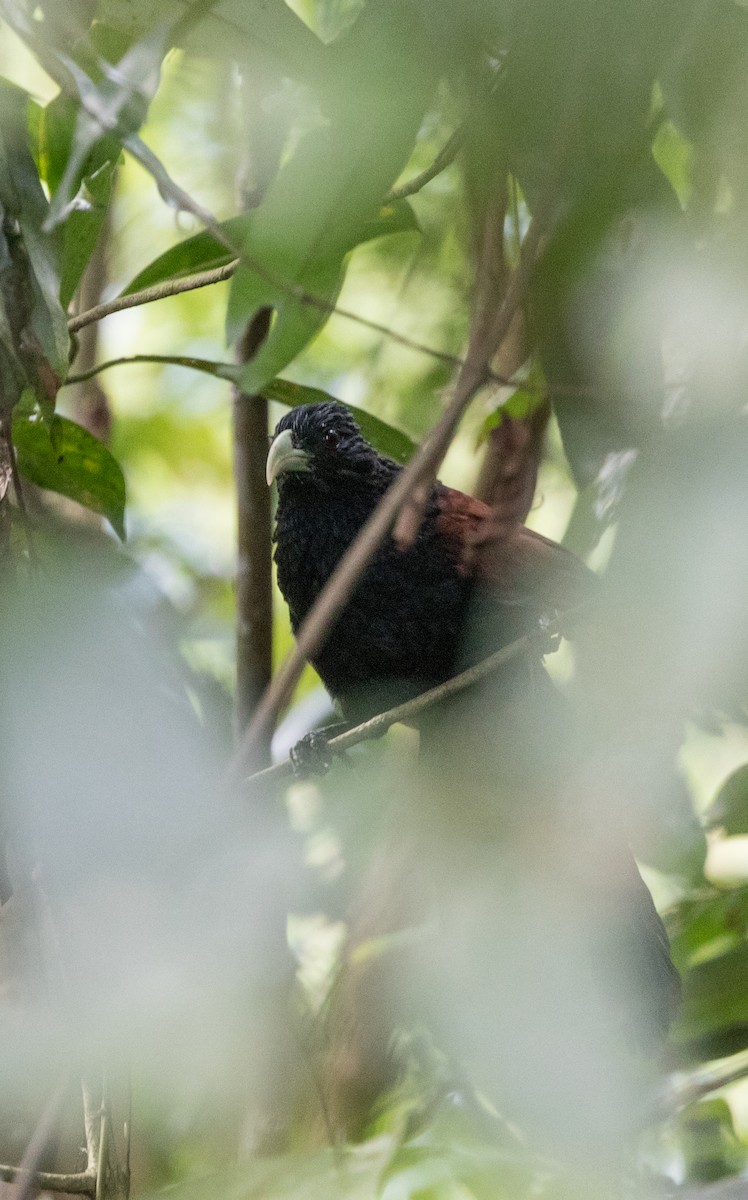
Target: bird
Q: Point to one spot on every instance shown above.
(419, 614)
(404, 627)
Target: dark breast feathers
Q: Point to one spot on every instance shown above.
(404, 627)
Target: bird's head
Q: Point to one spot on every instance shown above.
(319, 442)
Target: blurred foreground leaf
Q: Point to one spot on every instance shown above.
(347, 1173)
(327, 195)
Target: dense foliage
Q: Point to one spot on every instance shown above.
(225, 948)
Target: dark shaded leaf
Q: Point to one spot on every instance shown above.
(715, 1001)
(77, 466)
(57, 124)
(34, 326)
(385, 437)
(710, 1145)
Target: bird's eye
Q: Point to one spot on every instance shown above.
(331, 438)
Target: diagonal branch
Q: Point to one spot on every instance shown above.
(174, 287)
(444, 159)
(543, 640)
(474, 373)
(78, 1183)
(159, 291)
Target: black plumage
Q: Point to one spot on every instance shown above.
(403, 628)
(419, 614)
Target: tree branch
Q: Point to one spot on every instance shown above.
(254, 579)
(444, 159)
(78, 1183)
(174, 287)
(686, 1087)
(159, 291)
(376, 726)
(474, 373)
(220, 369)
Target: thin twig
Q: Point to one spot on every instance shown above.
(15, 474)
(163, 291)
(376, 726)
(444, 158)
(158, 291)
(92, 1126)
(229, 371)
(221, 370)
(474, 373)
(78, 1183)
(686, 1087)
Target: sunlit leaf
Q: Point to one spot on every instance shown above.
(77, 466)
(350, 1173)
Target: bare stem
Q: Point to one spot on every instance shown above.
(159, 291)
(78, 1183)
(444, 158)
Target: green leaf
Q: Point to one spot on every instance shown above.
(710, 1145)
(31, 275)
(294, 323)
(118, 102)
(203, 253)
(675, 158)
(77, 466)
(348, 1173)
(528, 396)
(22, 195)
(730, 807)
(384, 437)
(199, 253)
(82, 228)
(57, 124)
(715, 1002)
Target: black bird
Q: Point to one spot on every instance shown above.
(404, 627)
(422, 613)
